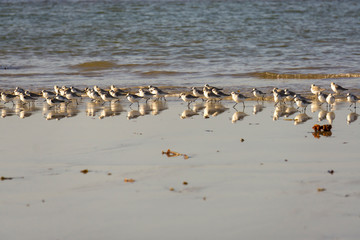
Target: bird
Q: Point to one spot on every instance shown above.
(316, 89)
(207, 86)
(117, 90)
(289, 95)
(47, 94)
(31, 94)
(99, 90)
(8, 97)
(337, 88)
(352, 99)
(54, 102)
(115, 94)
(322, 97)
(71, 95)
(219, 93)
(330, 99)
(132, 98)
(144, 94)
(279, 95)
(197, 92)
(188, 98)
(76, 90)
(238, 97)
(106, 97)
(258, 94)
(301, 102)
(18, 90)
(94, 96)
(26, 99)
(157, 93)
(56, 89)
(210, 96)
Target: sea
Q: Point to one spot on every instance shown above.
(181, 43)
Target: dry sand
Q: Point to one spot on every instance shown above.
(273, 184)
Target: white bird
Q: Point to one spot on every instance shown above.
(106, 97)
(197, 92)
(54, 102)
(7, 97)
(219, 93)
(322, 97)
(210, 96)
(144, 94)
(188, 98)
(26, 99)
(157, 93)
(279, 95)
(208, 87)
(117, 90)
(93, 95)
(337, 88)
(71, 95)
(301, 102)
(258, 94)
(18, 90)
(31, 94)
(56, 89)
(132, 98)
(99, 90)
(352, 99)
(330, 99)
(115, 94)
(47, 94)
(316, 89)
(238, 97)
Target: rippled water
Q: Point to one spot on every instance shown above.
(181, 43)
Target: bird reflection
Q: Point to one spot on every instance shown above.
(322, 115)
(301, 118)
(24, 110)
(187, 113)
(132, 114)
(290, 110)
(7, 112)
(144, 109)
(197, 107)
(105, 112)
(330, 116)
(92, 108)
(157, 107)
(213, 109)
(54, 115)
(314, 107)
(238, 116)
(351, 117)
(257, 108)
(279, 112)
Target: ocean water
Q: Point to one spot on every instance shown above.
(179, 43)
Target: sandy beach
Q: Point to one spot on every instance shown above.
(90, 176)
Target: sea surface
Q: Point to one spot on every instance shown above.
(179, 43)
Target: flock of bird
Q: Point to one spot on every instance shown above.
(64, 95)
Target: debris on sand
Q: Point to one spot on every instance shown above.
(129, 180)
(170, 153)
(322, 130)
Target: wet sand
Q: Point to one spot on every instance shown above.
(259, 177)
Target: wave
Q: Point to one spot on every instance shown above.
(105, 65)
(271, 75)
(94, 66)
(163, 73)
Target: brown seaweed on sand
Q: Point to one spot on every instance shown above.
(322, 130)
(170, 153)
